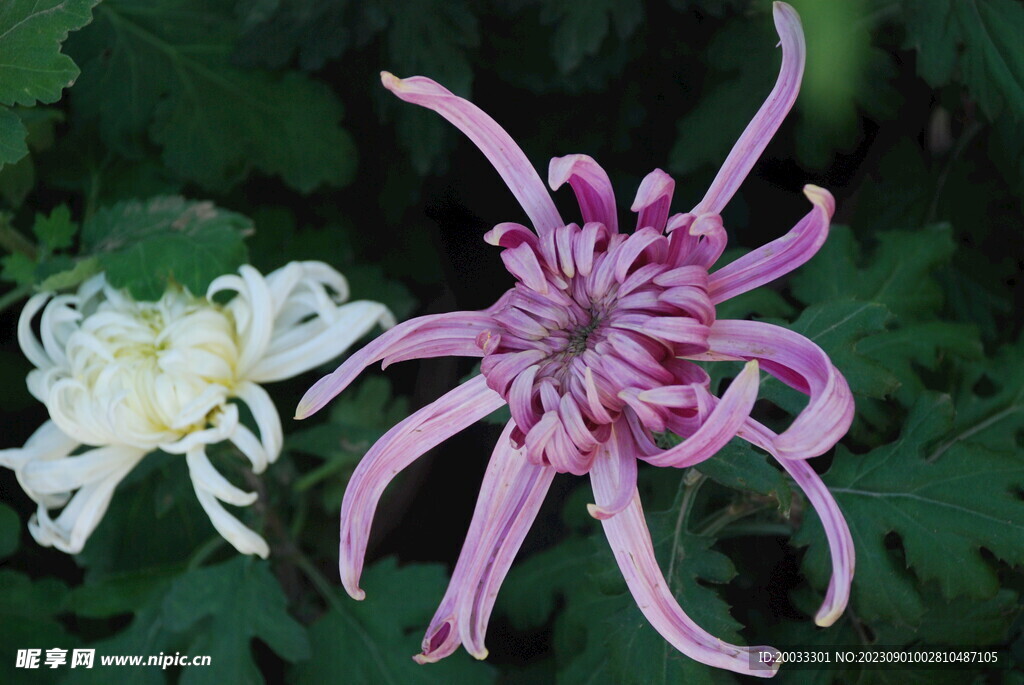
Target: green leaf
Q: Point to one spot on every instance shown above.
(145, 245)
(56, 230)
(601, 636)
(33, 68)
(371, 641)
(429, 38)
(12, 137)
(582, 27)
(531, 591)
(961, 621)
(31, 32)
(18, 268)
(357, 420)
(226, 606)
(739, 466)
(28, 620)
(163, 73)
(707, 132)
(122, 593)
(977, 41)
(897, 274)
(945, 503)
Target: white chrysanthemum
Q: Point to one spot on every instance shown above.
(127, 377)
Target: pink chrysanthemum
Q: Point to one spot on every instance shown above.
(593, 351)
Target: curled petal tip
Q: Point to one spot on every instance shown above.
(828, 616)
(479, 654)
(820, 197)
(390, 81)
(597, 512)
(423, 659)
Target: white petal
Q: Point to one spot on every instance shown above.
(267, 419)
(71, 473)
(354, 321)
(48, 442)
(243, 539)
(83, 513)
(247, 442)
(26, 338)
(205, 477)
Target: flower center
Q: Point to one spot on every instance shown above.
(145, 373)
(578, 338)
(596, 320)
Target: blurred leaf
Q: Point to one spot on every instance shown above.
(34, 69)
(226, 606)
(119, 594)
(28, 620)
(368, 641)
(145, 245)
(18, 268)
(976, 41)
(163, 73)
(945, 504)
(431, 39)
(581, 27)
(370, 282)
(707, 132)
(57, 230)
(357, 420)
(10, 531)
(315, 31)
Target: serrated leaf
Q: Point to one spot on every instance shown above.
(944, 511)
(897, 274)
(69, 278)
(225, 606)
(163, 73)
(31, 32)
(371, 641)
(961, 621)
(981, 38)
(145, 245)
(739, 466)
(601, 637)
(533, 586)
(57, 230)
(18, 268)
(34, 69)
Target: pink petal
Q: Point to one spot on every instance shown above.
(644, 240)
(767, 120)
(493, 141)
(837, 531)
(398, 448)
(591, 185)
(780, 256)
(510, 497)
(630, 540)
(802, 365)
(617, 463)
(721, 425)
(509, 234)
(522, 263)
(653, 198)
(436, 335)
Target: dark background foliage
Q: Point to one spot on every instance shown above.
(911, 115)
